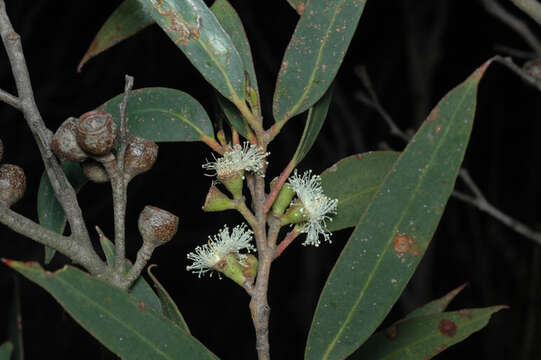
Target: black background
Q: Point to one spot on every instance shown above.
(500, 266)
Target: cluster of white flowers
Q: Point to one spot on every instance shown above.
(219, 246)
(316, 204)
(247, 157)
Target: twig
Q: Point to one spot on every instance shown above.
(530, 7)
(528, 79)
(279, 183)
(10, 99)
(493, 7)
(143, 255)
(516, 53)
(76, 251)
(479, 199)
(63, 190)
(292, 235)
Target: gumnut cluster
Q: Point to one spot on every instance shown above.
(12, 182)
(92, 137)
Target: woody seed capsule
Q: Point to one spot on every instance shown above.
(12, 184)
(157, 226)
(96, 132)
(140, 156)
(64, 143)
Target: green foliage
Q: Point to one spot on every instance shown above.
(5, 351)
(436, 306)
(354, 181)
(127, 20)
(50, 213)
(426, 336)
(124, 324)
(314, 55)
(162, 114)
(395, 229)
(209, 48)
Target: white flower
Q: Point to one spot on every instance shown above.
(219, 246)
(247, 157)
(316, 204)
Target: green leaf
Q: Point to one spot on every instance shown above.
(230, 21)
(162, 114)
(354, 181)
(196, 31)
(5, 351)
(436, 306)
(140, 289)
(425, 336)
(170, 309)
(15, 323)
(127, 20)
(298, 5)
(118, 320)
(314, 54)
(50, 213)
(233, 115)
(314, 122)
(395, 229)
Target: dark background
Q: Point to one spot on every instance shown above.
(415, 51)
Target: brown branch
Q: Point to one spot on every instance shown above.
(493, 7)
(63, 190)
(143, 256)
(527, 78)
(292, 235)
(10, 99)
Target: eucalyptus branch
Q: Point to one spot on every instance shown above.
(530, 7)
(479, 200)
(493, 7)
(78, 252)
(527, 78)
(143, 256)
(240, 206)
(10, 99)
(279, 183)
(292, 235)
(63, 190)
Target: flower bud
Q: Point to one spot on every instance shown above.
(217, 201)
(95, 172)
(140, 156)
(234, 183)
(64, 143)
(241, 271)
(296, 213)
(96, 132)
(283, 199)
(157, 226)
(12, 184)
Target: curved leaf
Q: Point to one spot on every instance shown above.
(5, 350)
(162, 114)
(425, 336)
(196, 31)
(354, 181)
(127, 20)
(233, 115)
(118, 320)
(395, 229)
(314, 122)
(435, 306)
(170, 309)
(50, 213)
(314, 54)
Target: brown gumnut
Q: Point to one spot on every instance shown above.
(12, 184)
(157, 226)
(95, 172)
(140, 156)
(96, 132)
(64, 143)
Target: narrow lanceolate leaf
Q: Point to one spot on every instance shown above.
(5, 351)
(127, 20)
(233, 115)
(140, 289)
(170, 309)
(314, 122)
(15, 323)
(162, 114)
(230, 21)
(50, 213)
(117, 319)
(298, 5)
(395, 229)
(354, 181)
(196, 31)
(436, 306)
(314, 54)
(426, 336)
